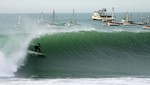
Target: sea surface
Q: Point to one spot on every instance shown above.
(87, 53)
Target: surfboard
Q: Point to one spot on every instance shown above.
(36, 53)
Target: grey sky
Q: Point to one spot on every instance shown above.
(78, 5)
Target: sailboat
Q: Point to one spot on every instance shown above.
(141, 22)
(54, 20)
(72, 21)
(19, 22)
(148, 24)
(40, 19)
(113, 22)
(126, 21)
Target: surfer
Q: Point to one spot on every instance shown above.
(37, 48)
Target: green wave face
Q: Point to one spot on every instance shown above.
(89, 54)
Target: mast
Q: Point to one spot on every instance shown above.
(148, 20)
(112, 12)
(38, 20)
(53, 17)
(41, 18)
(73, 17)
(19, 20)
(141, 17)
(127, 17)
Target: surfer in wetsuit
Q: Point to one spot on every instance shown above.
(37, 48)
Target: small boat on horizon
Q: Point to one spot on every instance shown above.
(147, 26)
(72, 21)
(40, 19)
(54, 20)
(19, 22)
(141, 21)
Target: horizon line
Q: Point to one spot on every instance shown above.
(68, 12)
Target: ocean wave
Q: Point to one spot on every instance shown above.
(89, 54)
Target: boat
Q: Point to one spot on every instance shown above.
(40, 19)
(72, 21)
(126, 21)
(54, 20)
(147, 26)
(19, 22)
(113, 22)
(141, 22)
(101, 15)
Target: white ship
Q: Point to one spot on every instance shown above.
(101, 15)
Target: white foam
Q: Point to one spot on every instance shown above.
(5, 69)
(79, 81)
(13, 53)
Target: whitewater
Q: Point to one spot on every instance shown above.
(88, 54)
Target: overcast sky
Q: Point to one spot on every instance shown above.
(84, 6)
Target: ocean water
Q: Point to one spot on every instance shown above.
(85, 54)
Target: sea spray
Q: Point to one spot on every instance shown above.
(5, 67)
(13, 54)
(13, 51)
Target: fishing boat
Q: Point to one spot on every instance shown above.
(53, 18)
(113, 22)
(141, 22)
(101, 15)
(72, 21)
(54, 23)
(126, 21)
